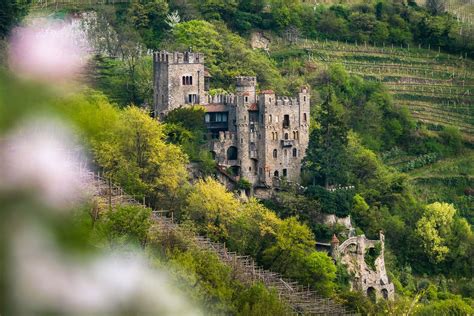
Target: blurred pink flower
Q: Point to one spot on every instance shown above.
(42, 157)
(48, 50)
(46, 279)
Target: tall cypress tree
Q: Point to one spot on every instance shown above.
(326, 159)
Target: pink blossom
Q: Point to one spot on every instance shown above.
(48, 50)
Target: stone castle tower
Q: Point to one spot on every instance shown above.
(178, 80)
(260, 137)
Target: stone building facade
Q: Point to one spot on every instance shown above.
(258, 135)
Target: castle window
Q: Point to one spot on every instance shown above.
(270, 118)
(304, 98)
(187, 80)
(246, 99)
(250, 168)
(192, 98)
(295, 152)
(294, 135)
(276, 119)
(286, 136)
(207, 118)
(286, 121)
(297, 135)
(162, 98)
(304, 117)
(276, 173)
(285, 172)
(275, 153)
(232, 153)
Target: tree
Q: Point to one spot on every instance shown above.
(433, 229)
(211, 207)
(326, 157)
(294, 242)
(137, 157)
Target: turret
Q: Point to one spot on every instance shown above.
(246, 88)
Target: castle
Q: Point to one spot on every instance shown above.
(260, 137)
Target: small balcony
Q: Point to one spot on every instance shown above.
(287, 142)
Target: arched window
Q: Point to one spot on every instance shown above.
(184, 80)
(295, 152)
(286, 136)
(270, 118)
(297, 135)
(304, 117)
(190, 80)
(275, 153)
(276, 173)
(232, 153)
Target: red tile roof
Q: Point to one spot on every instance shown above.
(253, 107)
(216, 108)
(267, 92)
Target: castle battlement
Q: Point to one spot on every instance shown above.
(246, 81)
(286, 101)
(165, 57)
(221, 99)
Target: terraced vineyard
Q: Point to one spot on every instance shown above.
(437, 88)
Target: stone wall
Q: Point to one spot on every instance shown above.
(365, 279)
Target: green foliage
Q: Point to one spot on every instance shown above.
(149, 19)
(185, 127)
(259, 301)
(326, 156)
(434, 227)
(286, 246)
(446, 307)
(11, 13)
(244, 184)
(372, 254)
(227, 54)
(125, 225)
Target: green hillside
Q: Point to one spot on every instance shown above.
(437, 88)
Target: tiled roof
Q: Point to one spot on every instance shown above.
(253, 107)
(267, 92)
(216, 107)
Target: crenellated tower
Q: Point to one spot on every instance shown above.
(179, 79)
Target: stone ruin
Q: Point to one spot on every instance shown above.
(370, 280)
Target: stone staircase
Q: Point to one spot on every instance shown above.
(301, 299)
